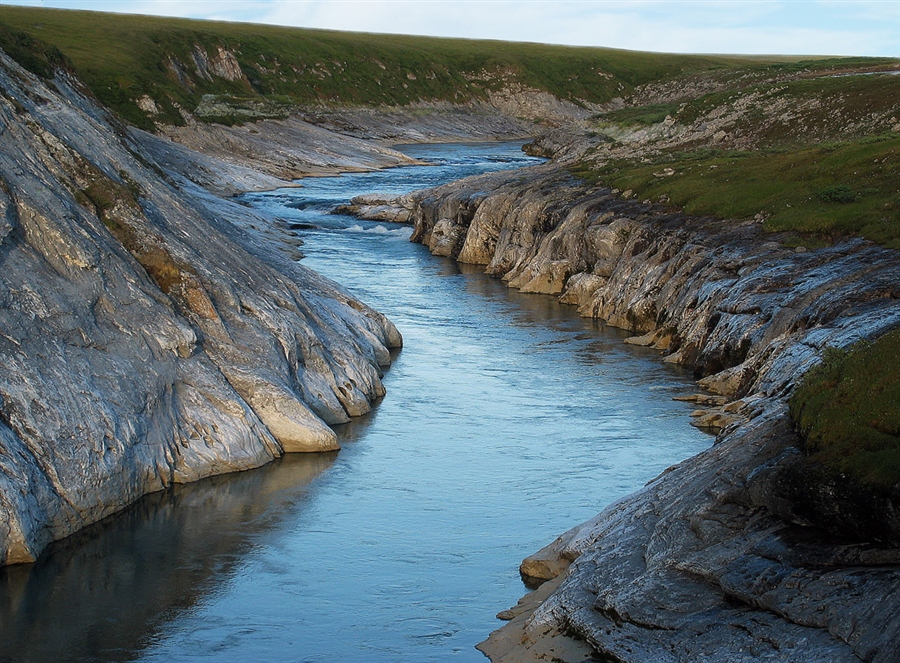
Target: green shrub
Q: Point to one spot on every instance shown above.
(840, 193)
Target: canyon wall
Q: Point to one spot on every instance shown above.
(745, 552)
(148, 333)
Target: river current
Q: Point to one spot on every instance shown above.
(508, 420)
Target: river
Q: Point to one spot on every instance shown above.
(508, 419)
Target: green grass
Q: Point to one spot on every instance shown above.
(848, 412)
(827, 189)
(34, 55)
(123, 57)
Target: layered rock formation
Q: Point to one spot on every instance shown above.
(721, 558)
(148, 334)
(285, 149)
(269, 153)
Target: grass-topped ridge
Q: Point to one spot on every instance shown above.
(829, 190)
(175, 62)
(35, 55)
(814, 150)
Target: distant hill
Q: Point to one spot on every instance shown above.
(151, 69)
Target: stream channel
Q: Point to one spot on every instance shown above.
(508, 419)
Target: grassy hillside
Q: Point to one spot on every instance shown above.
(818, 192)
(812, 148)
(121, 58)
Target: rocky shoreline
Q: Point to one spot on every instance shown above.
(742, 552)
(154, 331)
(149, 334)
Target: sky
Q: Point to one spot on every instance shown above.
(784, 27)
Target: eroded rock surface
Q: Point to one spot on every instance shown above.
(285, 149)
(148, 334)
(268, 153)
(719, 559)
(379, 207)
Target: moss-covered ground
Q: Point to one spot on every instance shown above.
(848, 412)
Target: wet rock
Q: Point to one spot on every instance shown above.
(376, 207)
(744, 312)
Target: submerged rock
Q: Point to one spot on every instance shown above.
(149, 335)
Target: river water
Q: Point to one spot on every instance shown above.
(508, 420)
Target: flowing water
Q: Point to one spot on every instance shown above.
(508, 420)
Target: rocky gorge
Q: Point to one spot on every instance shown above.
(153, 331)
(743, 552)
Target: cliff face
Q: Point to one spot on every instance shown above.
(147, 334)
(742, 552)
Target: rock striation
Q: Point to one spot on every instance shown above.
(271, 151)
(149, 335)
(741, 553)
(285, 149)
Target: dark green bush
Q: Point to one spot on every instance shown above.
(840, 193)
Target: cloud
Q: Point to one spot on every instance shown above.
(724, 26)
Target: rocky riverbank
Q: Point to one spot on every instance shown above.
(271, 153)
(149, 334)
(742, 552)
(154, 331)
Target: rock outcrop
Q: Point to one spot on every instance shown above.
(148, 334)
(284, 148)
(270, 152)
(378, 207)
(717, 559)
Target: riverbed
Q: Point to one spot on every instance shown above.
(508, 419)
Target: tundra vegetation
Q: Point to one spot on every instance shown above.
(173, 61)
(848, 410)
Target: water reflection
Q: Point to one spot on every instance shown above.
(109, 590)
